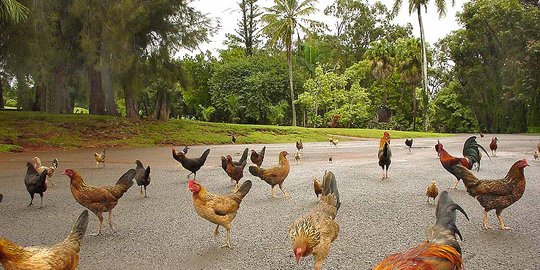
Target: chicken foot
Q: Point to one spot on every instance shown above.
(228, 240)
(455, 185)
(502, 226)
(110, 222)
(100, 218)
(485, 221)
(285, 194)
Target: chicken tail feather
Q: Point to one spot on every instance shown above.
(255, 171)
(79, 228)
(242, 191)
(330, 187)
(468, 178)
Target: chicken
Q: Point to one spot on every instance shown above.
(100, 157)
(297, 157)
(185, 150)
(1, 197)
(235, 172)
(470, 151)
(317, 187)
(493, 146)
(257, 158)
(334, 141)
(274, 175)
(35, 183)
(409, 142)
(233, 139)
(190, 164)
(437, 148)
(330, 160)
(432, 191)
(472, 155)
(495, 194)
(142, 176)
(385, 154)
(299, 145)
(481, 134)
(535, 155)
(440, 251)
(64, 255)
(50, 170)
(218, 209)
(99, 199)
(312, 233)
(241, 161)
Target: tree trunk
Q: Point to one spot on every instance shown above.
(414, 109)
(60, 100)
(41, 97)
(107, 83)
(96, 105)
(1, 95)
(424, 64)
(163, 110)
(130, 96)
(289, 62)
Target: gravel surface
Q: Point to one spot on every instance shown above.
(377, 217)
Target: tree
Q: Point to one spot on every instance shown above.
(416, 5)
(12, 10)
(247, 32)
(282, 20)
(409, 63)
(381, 56)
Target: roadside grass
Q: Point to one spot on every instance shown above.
(35, 131)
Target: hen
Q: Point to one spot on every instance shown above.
(535, 155)
(317, 187)
(432, 191)
(409, 142)
(334, 141)
(190, 164)
(64, 255)
(241, 161)
(100, 157)
(493, 146)
(235, 172)
(297, 157)
(495, 194)
(218, 209)
(50, 170)
(274, 175)
(385, 154)
(142, 176)
(471, 152)
(258, 157)
(312, 233)
(440, 251)
(99, 199)
(299, 145)
(35, 183)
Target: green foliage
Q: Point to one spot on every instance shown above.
(449, 115)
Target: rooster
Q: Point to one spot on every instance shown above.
(495, 194)
(258, 157)
(235, 172)
(274, 175)
(191, 164)
(312, 233)
(493, 146)
(299, 145)
(385, 154)
(64, 255)
(99, 199)
(35, 182)
(142, 176)
(218, 209)
(432, 191)
(50, 170)
(471, 153)
(437, 148)
(408, 142)
(100, 157)
(441, 250)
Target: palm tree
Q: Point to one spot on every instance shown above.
(282, 20)
(12, 10)
(416, 5)
(409, 65)
(380, 55)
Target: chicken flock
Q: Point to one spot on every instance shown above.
(311, 234)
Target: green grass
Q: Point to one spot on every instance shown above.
(533, 130)
(33, 130)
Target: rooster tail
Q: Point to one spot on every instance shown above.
(263, 151)
(470, 150)
(244, 156)
(255, 171)
(123, 184)
(468, 178)
(242, 191)
(31, 169)
(147, 173)
(446, 214)
(55, 163)
(79, 228)
(330, 187)
(205, 154)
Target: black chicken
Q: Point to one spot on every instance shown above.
(241, 161)
(191, 164)
(408, 142)
(142, 176)
(35, 182)
(233, 139)
(257, 158)
(1, 197)
(185, 150)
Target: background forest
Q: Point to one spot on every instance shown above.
(124, 58)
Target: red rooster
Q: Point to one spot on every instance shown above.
(493, 146)
(440, 251)
(471, 156)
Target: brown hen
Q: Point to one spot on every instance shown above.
(274, 175)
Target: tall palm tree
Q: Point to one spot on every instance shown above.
(282, 21)
(381, 56)
(12, 10)
(416, 5)
(409, 61)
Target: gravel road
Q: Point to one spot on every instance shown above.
(377, 217)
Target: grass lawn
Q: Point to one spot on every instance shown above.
(34, 130)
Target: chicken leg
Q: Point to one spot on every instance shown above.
(502, 226)
(41, 202)
(273, 194)
(100, 218)
(228, 239)
(285, 194)
(455, 186)
(145, 192)
(110, 222)
(485, 221)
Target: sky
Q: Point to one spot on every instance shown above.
(434, 27)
